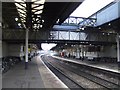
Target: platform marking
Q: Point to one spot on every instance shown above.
(87, 64)
(54, 75)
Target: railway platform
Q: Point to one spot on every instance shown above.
(36, 76)
(113, 67)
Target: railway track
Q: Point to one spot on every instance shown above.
(99, 81)
(66, 79)
(104, 83)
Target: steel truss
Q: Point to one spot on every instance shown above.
(80, 21)
(74, 35)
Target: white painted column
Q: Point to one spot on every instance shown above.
(118, 48)
(21, 52)
(26, 49)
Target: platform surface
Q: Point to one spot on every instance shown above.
(36, 76)
(102, 65)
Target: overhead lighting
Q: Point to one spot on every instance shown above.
(21, 11)
(34, 0)
(19, 0)
(99, 28)
(23, 4)
(16, 19)
(22, 15)
(39, 12)
(109, 24)
(58, 21)
(40, 7)
(40, 2)
(34, 10)
(19, 6)
(23, 20)
(82, 28)
(94, 21)
(38, 16)
(19, 24)
(41, 26)
(43, 20)
(0, 24)
(37, 19)
(34, 5)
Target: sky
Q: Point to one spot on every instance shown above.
(46, 46)
(89, 7)
(86, 9)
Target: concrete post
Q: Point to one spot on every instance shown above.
(26, 49)
(69, 35)
(82, 52)
(118, 49)
(21, 52)
(58, 34)
(78, 53)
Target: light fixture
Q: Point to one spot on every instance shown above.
(43, 20)
(82, 28)
(40, 7)
(41, 26)
(51, 34)
(22, 11)
(34, 0)
(109, 24)
(94, 20)
(119, 36)
(22, 15)
(16, 19)
(39, 12)
(37, 19)
(0, 24)
(99, 28)
(40, 2)
(23, 21)
(19, 6)
(19, 24)
(34, 5)
(39, 16)
(58, 21)
(103, 33)
(34, 10)
(19, 0)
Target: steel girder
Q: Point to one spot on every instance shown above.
(72, 35)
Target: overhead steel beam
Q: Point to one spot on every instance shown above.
(80, 42)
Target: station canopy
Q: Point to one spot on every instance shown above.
(36, 15)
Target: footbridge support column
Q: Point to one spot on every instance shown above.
(118, 49)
